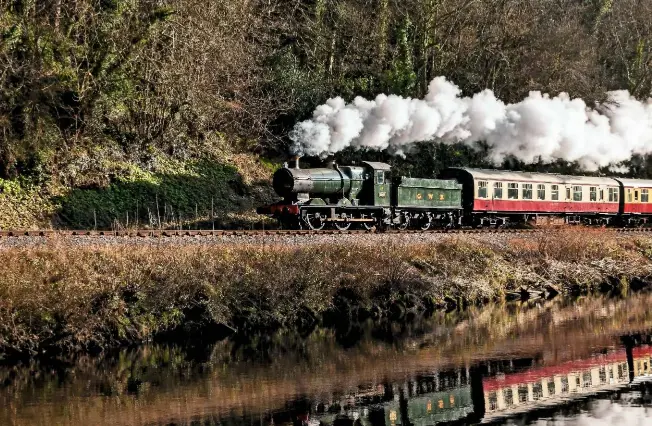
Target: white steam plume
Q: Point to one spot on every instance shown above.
(539, 127)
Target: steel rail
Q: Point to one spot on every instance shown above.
(143, 233)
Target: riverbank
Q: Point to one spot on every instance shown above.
(55, 297)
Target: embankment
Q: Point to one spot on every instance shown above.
(58, 297)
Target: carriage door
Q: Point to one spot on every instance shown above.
(602, 190)
(569, 198)
(636, 199)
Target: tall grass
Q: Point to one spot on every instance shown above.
(62, 298)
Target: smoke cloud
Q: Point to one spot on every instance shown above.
(539, 127)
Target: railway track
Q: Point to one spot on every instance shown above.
(143, 233)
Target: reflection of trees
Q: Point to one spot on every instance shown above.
(157, 384)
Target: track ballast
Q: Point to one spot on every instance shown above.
(175, 233)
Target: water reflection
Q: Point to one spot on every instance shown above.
(501, 363)
(491, 393)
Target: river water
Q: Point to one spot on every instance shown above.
(585, 361)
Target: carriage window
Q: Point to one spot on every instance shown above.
(636, 195)
(492, 397)
(527, 191)
(602, 195)
(593, 193)
(554, 193)
(512, 191)
(380, 177)
(482, 189)
(541, 192)
(508, 396)
(498, 190)
(577, 193)
(568, 193)
(645, 196)
(613, 195)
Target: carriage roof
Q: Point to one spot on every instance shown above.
(635, 183)
(527, 177)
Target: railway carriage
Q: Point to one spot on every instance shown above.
(636, 201)
(495, 197)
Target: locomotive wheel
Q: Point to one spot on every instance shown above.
(404, 224)
(315, 221)
(368, 225)
(342, 226)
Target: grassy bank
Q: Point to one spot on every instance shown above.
(61, 298)
(97, 191)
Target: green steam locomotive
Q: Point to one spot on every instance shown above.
(364, 196)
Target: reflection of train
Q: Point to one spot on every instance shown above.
(461, 398)
(545, 385)
(342, 196)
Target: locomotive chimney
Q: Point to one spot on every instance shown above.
(296, 162)
(330, 162)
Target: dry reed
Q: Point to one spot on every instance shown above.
(60, 298)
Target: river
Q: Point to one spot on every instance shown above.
(583, 361)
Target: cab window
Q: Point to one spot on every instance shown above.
(380, 177)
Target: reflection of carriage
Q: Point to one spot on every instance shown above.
(389, 407)
(432, 408)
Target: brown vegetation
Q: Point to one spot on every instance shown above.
(56, 298)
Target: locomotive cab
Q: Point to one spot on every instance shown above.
(378, 185)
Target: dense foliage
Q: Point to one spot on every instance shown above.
(88, 84)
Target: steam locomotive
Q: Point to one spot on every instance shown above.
(365, 196)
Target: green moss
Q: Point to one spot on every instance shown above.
(270, 165)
